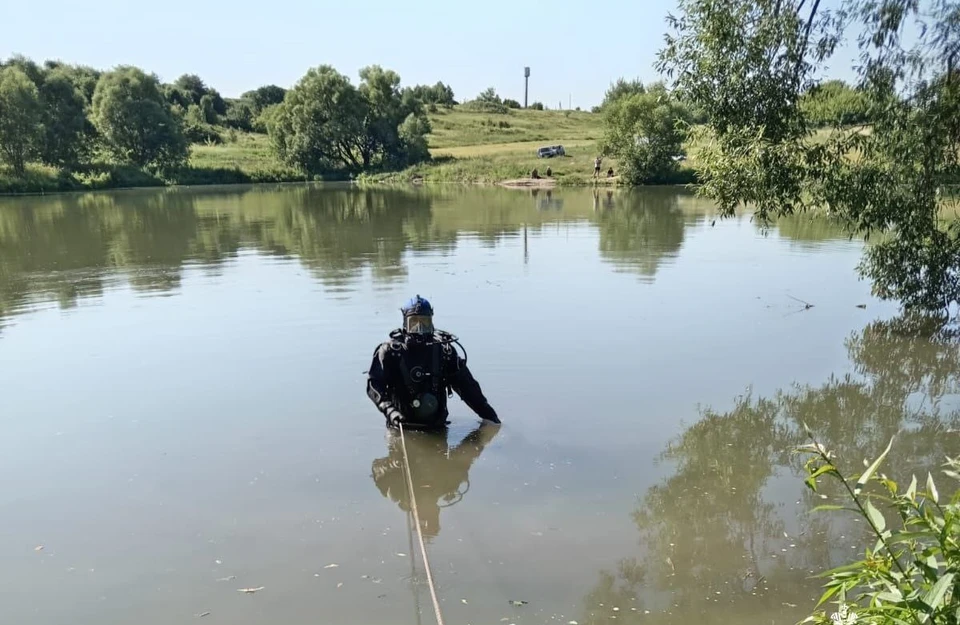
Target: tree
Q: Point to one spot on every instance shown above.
(645, 132)
(20, 118)
(834, 102)
(438, 94)
(208, 109)
(320, 123)
(325, 122)
(83, 78)
(384, 112)
(413, 135)
(489, 95)
(66, 131)
(747, 63)
(136, 122)
(240, 115)
(621, 88)
(33, 71)
(191, 85)
(264, 96)
(511, 104)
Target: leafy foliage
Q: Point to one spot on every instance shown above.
(747, 63)
(20, 118)
(645, 131)
(327, 123)
(265, 96)
(136, 122)
(835, 103)
(438, 94)
(66, 131)
(908, 575)
(620, 89)
(487, 102)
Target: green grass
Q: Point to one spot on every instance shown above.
(467, 147)
(457, 128)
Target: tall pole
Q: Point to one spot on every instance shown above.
(526, 85)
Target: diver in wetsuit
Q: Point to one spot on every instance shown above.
(414, 372)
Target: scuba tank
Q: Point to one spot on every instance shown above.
(423, 383)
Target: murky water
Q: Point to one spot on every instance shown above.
(183, 410)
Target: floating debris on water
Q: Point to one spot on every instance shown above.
(218, 561)
(340, 584)
(250, 591)
(227, 579)
(38, 548)
(203, 614)
(402, 555)
(331, 566)
(518, 602)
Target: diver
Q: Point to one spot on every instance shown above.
(414, 373)
(437, 472)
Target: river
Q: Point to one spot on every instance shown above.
(183, 407)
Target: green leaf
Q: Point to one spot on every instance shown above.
(902, 537)
(892, 596)
(831, 506)
(872, 469)
(912, 490)
(854, 566)
(826, 596)
(875, 517)
(932, 488)
(935, 595)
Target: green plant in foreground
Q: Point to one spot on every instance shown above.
(909, 575)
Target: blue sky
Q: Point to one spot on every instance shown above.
(575, 48)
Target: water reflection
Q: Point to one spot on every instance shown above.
(643, 232)
(729, 536)
(65, 248)
(440, 474)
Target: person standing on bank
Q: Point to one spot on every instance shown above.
(414, 373)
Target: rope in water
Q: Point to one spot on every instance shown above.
(416, 518)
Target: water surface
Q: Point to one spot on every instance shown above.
(183, 408)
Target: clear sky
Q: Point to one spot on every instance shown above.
(575, 49)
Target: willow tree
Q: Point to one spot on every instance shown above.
(747, 63)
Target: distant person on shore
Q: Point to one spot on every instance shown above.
(596, 167)
(610, 173)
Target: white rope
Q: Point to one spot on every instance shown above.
(416, 518)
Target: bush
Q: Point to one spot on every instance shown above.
(480, 106)
(537, 106)
(908, 575)
(202, 133)
(512, 104)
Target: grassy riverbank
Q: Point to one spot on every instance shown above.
(467, 147)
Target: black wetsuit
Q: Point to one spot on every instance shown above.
(409, 369)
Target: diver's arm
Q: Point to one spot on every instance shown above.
(378, 387)
(467, 387)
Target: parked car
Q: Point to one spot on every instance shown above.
(550, 151)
